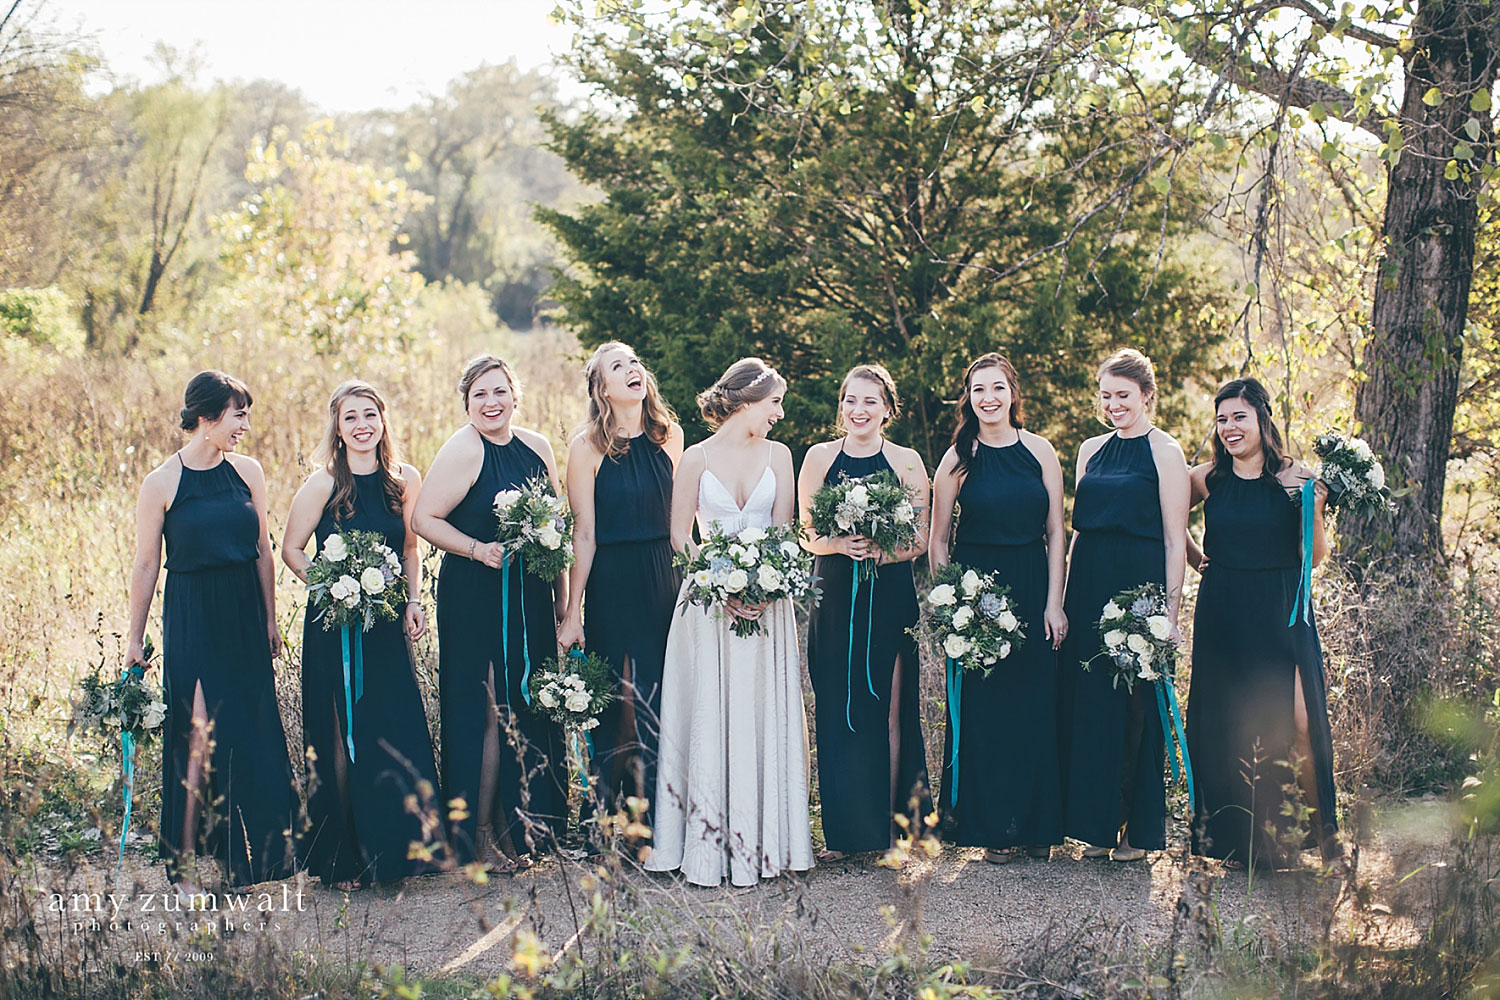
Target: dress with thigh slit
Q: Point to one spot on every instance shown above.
(853, 643)
(359, 824)
(1113, 752)
(214, 634)
(1247, 650)
(1007, 790)
(477, 632)
(628, 602)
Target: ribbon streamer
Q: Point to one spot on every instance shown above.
(127, 768)
(1166, 694)
(505, 626)
(869, 631)
(955, 713)
(1303, 596)
(355, 691)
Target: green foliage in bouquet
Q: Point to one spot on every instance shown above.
(878, 506)
(356, 579)
(536, 525)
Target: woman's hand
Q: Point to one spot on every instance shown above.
(136, 655)
(856, 547)
(1056, 624)
(1320, 496)
(491, 554)
(416, 620)
(570, 632)
(559, 608)
(748, 612)
(1175, 636)
(273, 634)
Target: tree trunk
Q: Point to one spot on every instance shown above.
(1405, 405)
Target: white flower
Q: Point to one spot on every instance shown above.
(505, 499)
(344, 587)
(970, 583)
(844, 521)
(859, 495)
(1114, 639)
(703, 578)
(942, 594)
(736, 580)
(904, 513)
(1137, 643)
(1147, 674)
(752, 535)
(989, 661)
(790, 549)
(334, 549)
(549, 536)
(1144, 657)
(1361, 450)
(372, 580)
(963, 616)
(1376, 476)
(578, 701)
(769, 577)
(1007, 621)
(154, 714)
(547, 697)
(1113, 611)
(588, 724)
(1159, 626)
(392, 560)
(1004, 650)
(955, 645)
(749, 557)
(352, 601)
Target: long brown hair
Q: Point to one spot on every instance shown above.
(967, 431)
(1273, 452)
(335, 457)
(602, 427)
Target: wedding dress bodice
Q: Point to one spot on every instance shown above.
(716, 504)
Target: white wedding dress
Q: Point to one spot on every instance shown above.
(731, 787)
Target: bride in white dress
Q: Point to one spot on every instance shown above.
(731, 789)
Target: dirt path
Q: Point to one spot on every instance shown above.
(984, 913)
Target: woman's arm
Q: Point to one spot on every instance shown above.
(945, 487)
(1301, 473)
(913, 474)
(411, 554)
(453, 471)
(302, 521)
(150, 511)
(265, 563)
(785, 509)
(1056, 622)
(814, 467)
(1198, 480)
(685, 497)
(1174, 491)
(583, 467)
(543, 447)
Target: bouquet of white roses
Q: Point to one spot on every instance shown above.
(573, 694)
(877, 506)
(1355, 478)
(968, 617)
(1135, 632)
(356, 579)
(753, 566)
(119, 703)
(537, 526)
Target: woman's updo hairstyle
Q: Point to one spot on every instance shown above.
(1133, 365)
(881, 376)
(481, 366)
(748, 380)
(208, 395)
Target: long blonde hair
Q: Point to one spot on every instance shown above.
(335, 458)
(602, 426)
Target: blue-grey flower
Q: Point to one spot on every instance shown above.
(989, 605)
(1142, 607)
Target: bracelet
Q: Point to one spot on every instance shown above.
(410, 603)
(472, 542)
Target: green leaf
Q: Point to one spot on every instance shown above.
(1433, 97)
(1162, 183)
(1472, 128)
(1480, 101)
(689, 82)
(1450, 170)
(1463, 151)
(977, 104)
(1330, 151)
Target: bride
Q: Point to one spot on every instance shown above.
(731, 790)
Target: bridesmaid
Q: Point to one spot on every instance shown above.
(513, 792)
(871, 761)
(1257, 698)
(1129, 527)
(1008, 486)
(226, 781)
(359, 823)
(620, 489)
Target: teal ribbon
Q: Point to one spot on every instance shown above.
(869, 627)
(505, 626)
(356, 691)
(1166, 704)
(955, 713)
(1304, 582)
(127, 768)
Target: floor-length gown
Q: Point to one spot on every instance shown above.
(359, 825)
(851, 660)
(1113, 751)
(480, 640)
(731, 788)
(628, 601)
(1245, 655)
(214, 634)
(1009, 792)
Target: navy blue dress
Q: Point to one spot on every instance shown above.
(628, 601)
(1113, 752)
(359, 826)
(1008, 786)
(1240, 725)
(214, 634)
(853, 726)
(531, 794)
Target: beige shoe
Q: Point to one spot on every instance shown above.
(1127, 854)
(1095, 852)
